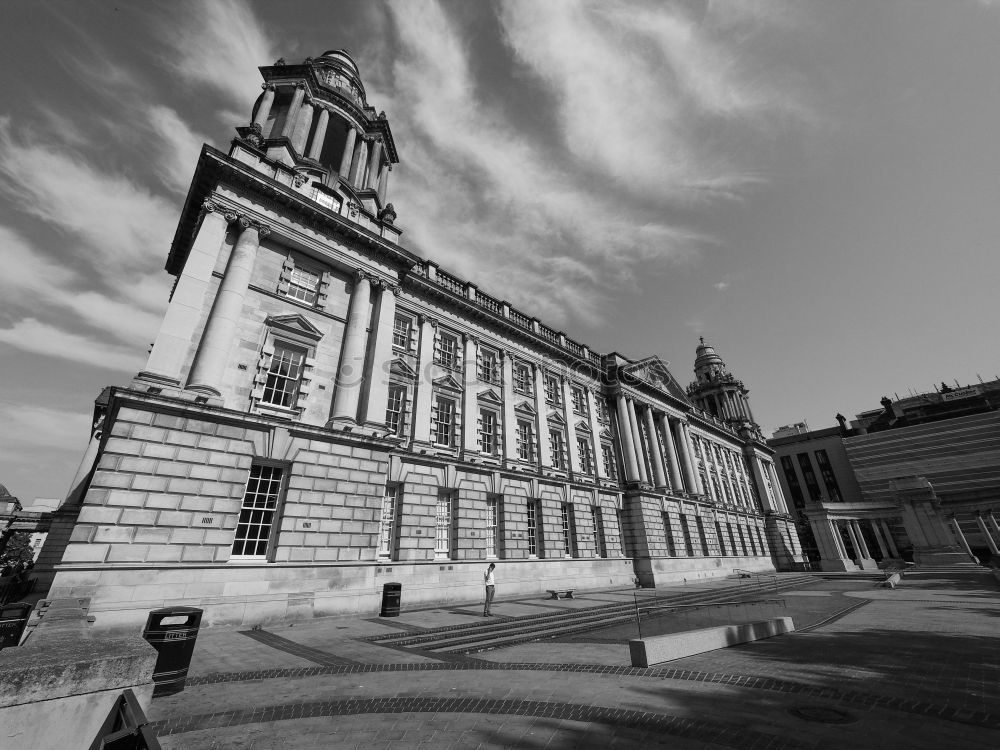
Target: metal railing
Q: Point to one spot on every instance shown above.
(762, 580)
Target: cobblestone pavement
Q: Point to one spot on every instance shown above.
(913, 668)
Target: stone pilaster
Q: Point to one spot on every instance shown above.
(424, 384)
(544, 447)
(673, 465)
(378, 379)
(371, 180)
(509, 416)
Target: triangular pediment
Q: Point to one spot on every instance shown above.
(557, 418)
(490, 396)
(525, 408)
(294, 324)
(448, 383)
(582, 426)
(606, 434)
(399, 368)
(652, 371)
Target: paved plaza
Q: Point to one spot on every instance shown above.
(915, 667)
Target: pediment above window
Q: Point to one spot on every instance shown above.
(490, 396)
(582, 426)
(556, 418)
(525, 409)
(606, 434)
(295, 325)
(399, 368)
(448, 383)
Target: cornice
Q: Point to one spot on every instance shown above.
(215, 167)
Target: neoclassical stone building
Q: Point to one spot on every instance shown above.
(324, 411)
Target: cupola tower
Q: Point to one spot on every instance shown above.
(717, 392)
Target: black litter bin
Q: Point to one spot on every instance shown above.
(172, 631)
(13, 618)
(391, 594)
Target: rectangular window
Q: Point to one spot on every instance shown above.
(525, 440)
(583, 453)
(668, 535)
(610, 462)
(686, 531)
(260, 503)
(402, 331)
(829, 478)
(394, 409)
(303, 285)
(620, 515)
(492, 526)
(489, 366)
(443, 524)
(444, 421)
(743, 540)
(558, 449)
(701, 535)
(792, 480)
(488, 431)
(569, 537)
(599, 539)
(522, 379)
(387, 523)
(815, 494)
(533, 546)
(760, 540)
(732, 539)
(753, 542)
(447, 351)
(553, 391)
(722, 542)
(602, 409)
(283, 376)
(579, 401)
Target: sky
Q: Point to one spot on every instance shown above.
(811, 186)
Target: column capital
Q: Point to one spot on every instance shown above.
(267, 86)
(392, 287)
(362, 275)
(432, 322)
(300, 84)
(472, 338)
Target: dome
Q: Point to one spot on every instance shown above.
(341, 56)
(705, 356)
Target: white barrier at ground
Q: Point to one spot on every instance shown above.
(648, 651)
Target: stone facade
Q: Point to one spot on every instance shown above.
(323, 412)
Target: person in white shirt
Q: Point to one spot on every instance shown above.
(491, 587)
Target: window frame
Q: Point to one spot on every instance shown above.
(488, 367)
(557, 448)
(444, 524)
(274, 523)
(388, 525)
(452, 403)
(291, 396)
(311, 296)
(525, 385)
(553, 391)
(399, 430)
(528, 442)
(489, 414)
(453, 359)
(406, 333)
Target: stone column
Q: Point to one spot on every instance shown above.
(223, 321)
(509, 416)
(378, 379)
(541, 408)
(180, 323)
(293, 110)
(345, 159)
(470, 404)
(861, 540)
(986, 532)
(887, 533)
(424, 382)
(633, 423)
(961, 536)
(673, 467)
(302, 125)
(625, 435)
(374, 163)
(858, 556)
(689, 452)
(573, 460)
(883, 550)
(779, 498)
(316, 148)
(265, 105)
(595, 432)
(659, 474)
(383, 181)
(359, 162)
(350, 376)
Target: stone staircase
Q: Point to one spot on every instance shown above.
(499, 632)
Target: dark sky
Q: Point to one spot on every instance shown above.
(810, 185)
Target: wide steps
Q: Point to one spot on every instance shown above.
(511, 631)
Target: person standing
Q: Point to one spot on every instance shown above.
(491, 587)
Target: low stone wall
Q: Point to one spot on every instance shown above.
(646, 652)
(58, 687)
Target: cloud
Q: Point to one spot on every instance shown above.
(178, 147)
(32, 335)
(220, 46)
(721, 286)
(28, 428)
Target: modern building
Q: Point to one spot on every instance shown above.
(324, 412)
(918, 479)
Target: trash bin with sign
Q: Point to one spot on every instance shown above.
(172, 631)
(13, 618)
(391, 595)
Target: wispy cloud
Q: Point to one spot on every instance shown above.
(562, 228)
(29, 428)
(32, 335)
